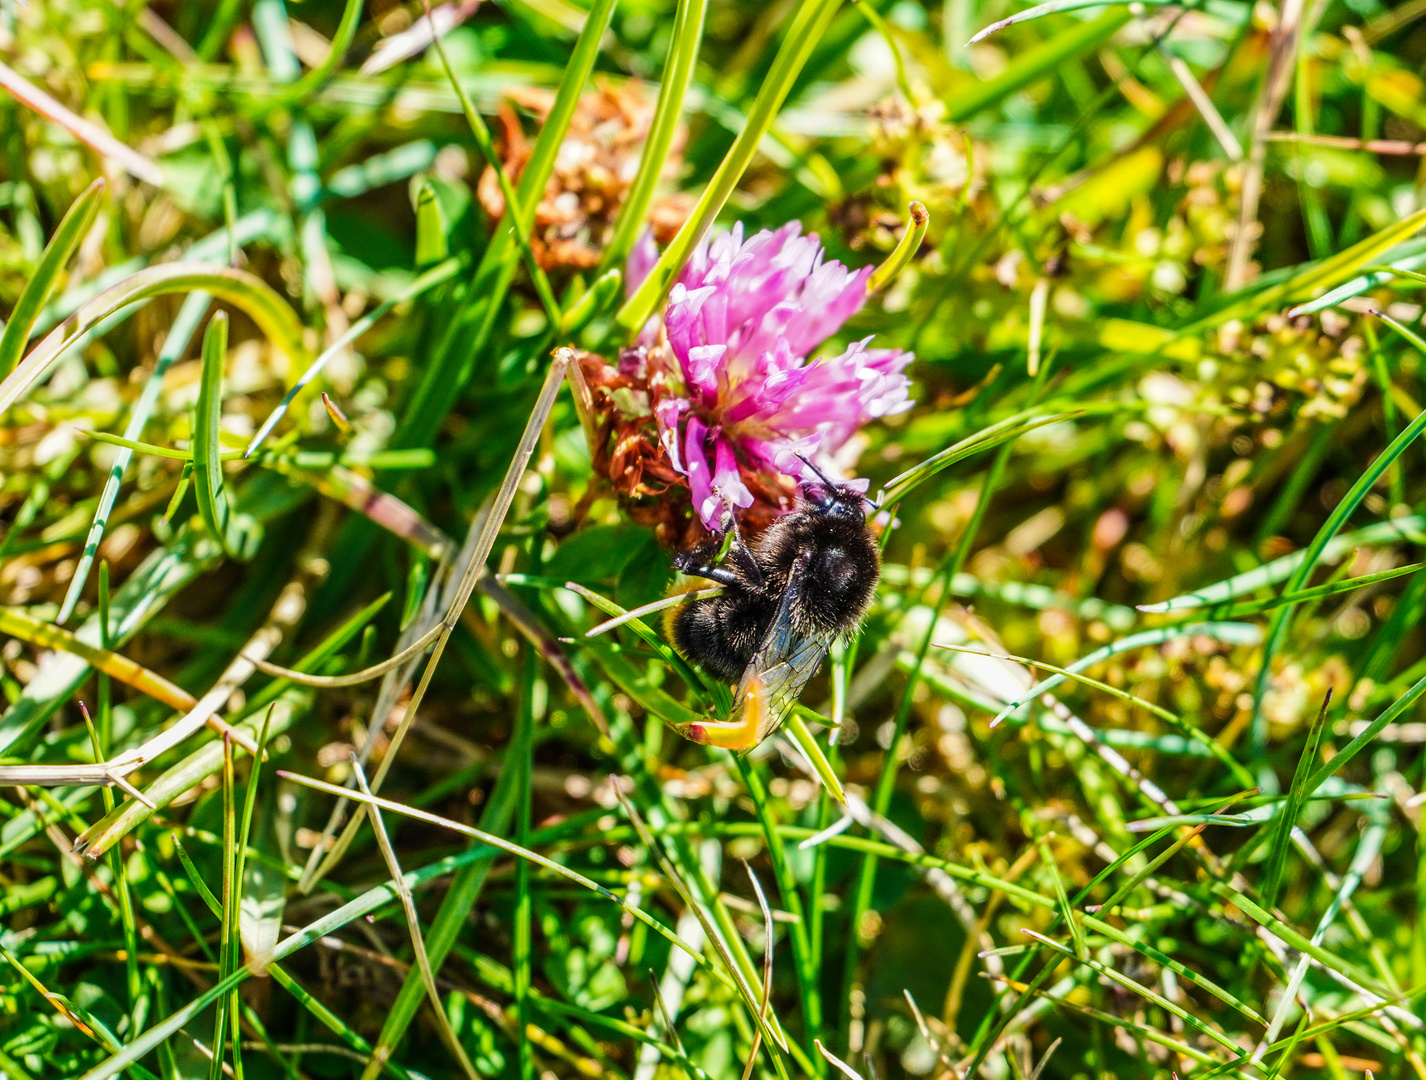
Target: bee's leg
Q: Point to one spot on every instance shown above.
(698, 562)
(728, 735)
(737, 568)
(748, 727)
(740, 553)
(723, 575)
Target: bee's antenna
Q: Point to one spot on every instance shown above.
(820, 474)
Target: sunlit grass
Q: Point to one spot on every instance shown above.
(313, 763)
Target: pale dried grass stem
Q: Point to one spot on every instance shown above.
(86, 131)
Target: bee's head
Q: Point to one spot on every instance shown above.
(835, 500)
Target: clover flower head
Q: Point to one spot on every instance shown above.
(741, 399)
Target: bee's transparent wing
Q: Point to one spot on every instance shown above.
(775, 676)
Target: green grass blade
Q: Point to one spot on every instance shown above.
(1313, 276)
(1228, 632)
(1277, 631)
(430, 228)
(1003, 431)
(1287, 820)
(1397, 709)
(213, 248)
(1037, 63)
(436, 275)
(331, 1021)
(1402, 261)
(243, 290)
(807, 976)
(808, 24)
(1142, 990)
(184, 776)
(41, 283)
(1385, 532)
(918, 221)
(304, 87)
(1054, 7)
(413, 924)
(591, 303)
(368, 902)
(151, 449)
(645, 632)
(797, 728)
(1133, 941)
(143, 593)
(509, 848)
(683, 46)
(208, 486)
(1320, 592)
(227, 934)
(465, 337)
(245, 824)
(635, 682)
(460, 899)
(1409, 334)
(1067, 913)
(185, 325)
(1296, 940)
(515, 213)
(522, 944)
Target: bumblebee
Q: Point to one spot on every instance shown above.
(806, 581)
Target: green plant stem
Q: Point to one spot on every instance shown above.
(461, 897)
(803, 33)
(807, 985)
(886, 781)
(677, 73)
(522, 947)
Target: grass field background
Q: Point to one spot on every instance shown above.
(299, 456)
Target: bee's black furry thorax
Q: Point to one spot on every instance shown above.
(824, 546)
(842, 567)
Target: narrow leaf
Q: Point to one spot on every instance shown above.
(797, 728)
(677, 73)
(243, 290)
(213, 502)
(803, 34)
(1296, 794)
(1039, 11)
(72, 228)
(1036, 63)
(430, 228)
(1385, 532)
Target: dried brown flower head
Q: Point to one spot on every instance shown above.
(596, 164)
(627, 449)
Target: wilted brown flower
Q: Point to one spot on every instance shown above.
(627, 450)
(626, 446)
(596, 164)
